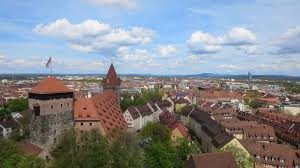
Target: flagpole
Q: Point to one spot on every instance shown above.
(51, 67)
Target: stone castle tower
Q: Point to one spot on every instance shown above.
(51, 111)
(112, 82)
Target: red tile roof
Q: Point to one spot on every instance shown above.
(211, 160)
(104, 108)
(170, 121)
(30, 149)
(265, 152)
(50, 85)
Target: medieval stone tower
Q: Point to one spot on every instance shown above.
(51, 111)
(112, 82)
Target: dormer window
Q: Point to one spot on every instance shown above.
(84, 108)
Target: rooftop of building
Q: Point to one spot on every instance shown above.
(50, 85)
(211, 160)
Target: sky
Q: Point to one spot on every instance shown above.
(151, 37)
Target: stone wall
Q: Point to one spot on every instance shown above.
(56, 116)
(52, 106)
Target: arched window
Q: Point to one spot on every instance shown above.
(36, 109)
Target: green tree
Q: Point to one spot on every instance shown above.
(4, 112)
(243, 161)
(157, 131)
(161, 155)
(64, 154)
(17, 105)
(11, 156)
(126, 152)
(125, 103)
(183, 148)
(255, 104)
(92, 150)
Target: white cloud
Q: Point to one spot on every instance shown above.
(92, 36)
(2, 58)
(127, 4)
(230, 67)
(166, 50)
(289, 42)
(202, 43)
(64, 29)
(239, 36)
(135, 56)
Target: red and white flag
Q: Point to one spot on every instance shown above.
(49, 62)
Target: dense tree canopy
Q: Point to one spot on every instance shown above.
(162, 152)
(14, 105)
(91, 150)
(17, 105)
(157, 132)
(11, 156)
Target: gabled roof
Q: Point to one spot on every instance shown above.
(211, 160)
(50, 85)
(133, 112)
(144, 110)
(112, 78)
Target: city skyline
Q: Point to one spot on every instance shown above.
(142, 37)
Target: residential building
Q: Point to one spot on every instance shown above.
(178, 130)
(211, 160)
(273, 155)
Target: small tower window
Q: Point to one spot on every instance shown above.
(51, 106)
(36, 110)
(54, 140)
(81, 124)
(91, 124)
(61, 105)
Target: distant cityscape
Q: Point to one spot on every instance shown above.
(258, 117)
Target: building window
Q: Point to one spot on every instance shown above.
(91, 124)
(54, 132)
(51, 106)
(37, 110)
(54, 140)
(81, 124)
(61, 105)
(81, 131)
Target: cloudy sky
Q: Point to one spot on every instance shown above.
(157, 36)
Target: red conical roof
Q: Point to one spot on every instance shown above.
(50, 85)
(112, 78)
